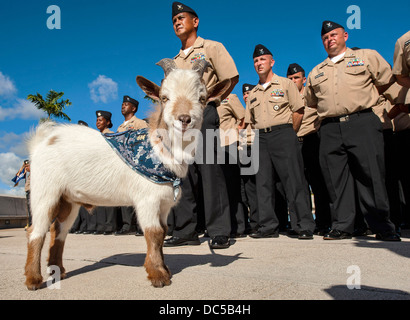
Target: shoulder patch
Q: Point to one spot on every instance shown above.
(253, 100)
(319, 75)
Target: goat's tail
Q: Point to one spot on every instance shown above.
(37, 135)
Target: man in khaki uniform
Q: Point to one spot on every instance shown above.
(309, 143)
(401, 70)
(248, 180)
(344, 88)
(129, 108)
(275, 108)
(231, 114)
(209, 177)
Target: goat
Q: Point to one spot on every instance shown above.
(73, 165)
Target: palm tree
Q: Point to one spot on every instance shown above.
(51, 105)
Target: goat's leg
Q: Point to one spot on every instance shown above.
(66, 214)
(35, 236)
(33, 262)
(157, 271)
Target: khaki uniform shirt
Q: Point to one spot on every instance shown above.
(310, 122)
(106, 130)
(222, 65)
(230, 112)
(274, 105)
(401, 59)
(348, 85)
(133, 124)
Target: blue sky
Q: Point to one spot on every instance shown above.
(103, 45)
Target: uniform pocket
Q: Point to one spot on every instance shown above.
(319, 84)
(277, 104)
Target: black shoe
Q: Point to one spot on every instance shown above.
(219, 242)
(388, 236)
(259, 235)
(337, 235)
(139, 233)
(305, 235)
(87, 232)
(97, 232)
(107, 233)
(176, 241)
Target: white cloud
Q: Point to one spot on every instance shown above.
(103, 89)
(22, 109)
(9, 165)
(15, 143)
(7, 87)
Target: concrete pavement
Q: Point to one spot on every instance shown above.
(111, 267)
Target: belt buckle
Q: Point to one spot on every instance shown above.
(300, 139)
(266, 130)
(344, 119)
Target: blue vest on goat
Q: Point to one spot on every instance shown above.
(134, 147)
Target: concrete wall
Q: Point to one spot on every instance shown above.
(13, 211)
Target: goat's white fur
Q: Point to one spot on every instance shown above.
(75, 164)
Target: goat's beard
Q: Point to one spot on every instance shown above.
(177, 146)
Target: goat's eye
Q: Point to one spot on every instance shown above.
(202, 100)
(164, 99)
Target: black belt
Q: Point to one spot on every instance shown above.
(273, 128)
(346, 118)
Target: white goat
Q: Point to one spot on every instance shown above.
(73, 165)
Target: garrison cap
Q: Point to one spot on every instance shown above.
(294, 68)
(247, 87)
(328, 26)
(106, 114)
(178, 7)
(82, 123)
(129, 99)
(261, 50)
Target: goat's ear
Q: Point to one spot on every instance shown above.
(217, 90)
(149, 87)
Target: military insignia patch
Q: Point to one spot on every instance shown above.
(319, 75)
(276, 108)
(277, 93)
(198, 56)
(355, 62)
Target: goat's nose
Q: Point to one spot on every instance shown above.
(184, 118)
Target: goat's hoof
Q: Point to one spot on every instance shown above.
(160, 283)
(34, 283)
(160, 279)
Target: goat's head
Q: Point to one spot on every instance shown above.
(181, 100)
(183, 94)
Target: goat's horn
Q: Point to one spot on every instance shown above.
(200, 66)
(167, 64)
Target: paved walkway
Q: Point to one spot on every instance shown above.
(111, 267)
